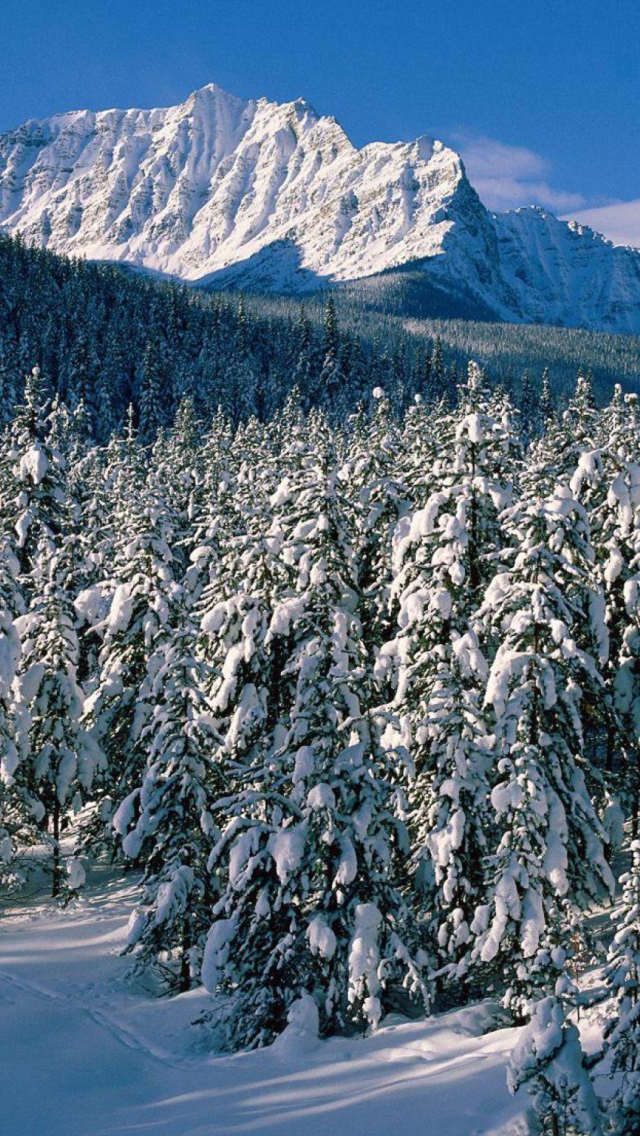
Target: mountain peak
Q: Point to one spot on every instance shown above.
(212, 89)
(275, 196)
(212, 93)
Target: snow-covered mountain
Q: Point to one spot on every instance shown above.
(271, 196)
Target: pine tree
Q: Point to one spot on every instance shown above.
(555, 456)
(33, 505)
(173, 829)
(607, 482)
(440, 681)
(242, 375)
(622, 1032)
(309, 855)
(304, 365)
(58, 760)
(153, 394)
(443, 558)
(550, 838)
(546, 400)
(246, 658)
(332, 381)
(530, 408)
(62, 756)
(142, 591)
(437, 367)
(377, 499)
(16, 816)
(548, 1059)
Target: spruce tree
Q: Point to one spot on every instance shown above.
(142, 592)
(443, 554)
(16, 809)
(551, 842)
(171, 810)
(622, 1031)
(59, 767)
(58, 757)
(309, 855)
(548, 1059)
(377, 498)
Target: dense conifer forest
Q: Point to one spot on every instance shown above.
(112, 338)
(347, 669)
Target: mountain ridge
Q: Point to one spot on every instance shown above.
(228, 192)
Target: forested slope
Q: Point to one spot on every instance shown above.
(110, 337)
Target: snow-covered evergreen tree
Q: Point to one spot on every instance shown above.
(178, 472)
(61, 756)
(153, 393)
(551, 843)
(622, 1033)
(34, 499)
(16, 817)
(309, 855)
(377, 500)
(246, 659)
(549, 1061)
(443, 556)
(171, 810)
(58, 758)
(142, 594)
(441, 678)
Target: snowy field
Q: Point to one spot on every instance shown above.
(84, 1053)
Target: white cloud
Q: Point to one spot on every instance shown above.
(619, 222)
(509, 176)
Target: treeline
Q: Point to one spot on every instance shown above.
(361, 702)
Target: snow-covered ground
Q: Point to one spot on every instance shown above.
(85, 1053)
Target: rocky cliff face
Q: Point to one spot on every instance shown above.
(273, 196)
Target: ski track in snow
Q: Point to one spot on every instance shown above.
(83, 1054)
(119, 1031)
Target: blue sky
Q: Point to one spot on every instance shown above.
(542, 98)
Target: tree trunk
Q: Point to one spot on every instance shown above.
(185, 969)
(56, 881)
